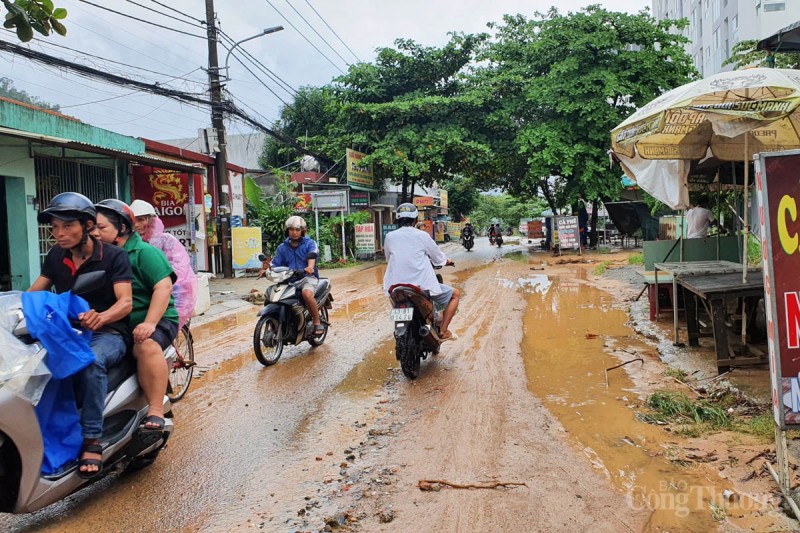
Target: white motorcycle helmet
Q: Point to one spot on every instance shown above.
(407, 211)
(141, 208)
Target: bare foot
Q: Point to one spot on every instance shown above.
(448, 336)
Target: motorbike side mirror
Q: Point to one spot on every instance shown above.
(312, 255)
(89, 282)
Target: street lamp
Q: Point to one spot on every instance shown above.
(267, 31)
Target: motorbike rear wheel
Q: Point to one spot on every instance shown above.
(323, 318)
(408, 353)
(268, 355)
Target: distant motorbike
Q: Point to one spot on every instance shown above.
(285, 319)
(491, 238)
(510, 232)
(126, 445)
(417, 320)
(499, 240)
(468, 241)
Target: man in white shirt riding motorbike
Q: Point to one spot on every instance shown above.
(410, 253)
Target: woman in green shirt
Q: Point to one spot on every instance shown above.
(153, 319)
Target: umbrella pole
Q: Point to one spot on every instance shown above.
(719, 226)
(745, 236)
(682, 230)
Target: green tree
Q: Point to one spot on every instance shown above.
(560, 83)
(744, 54)
(505, 209)
(27, 16)
(8, 90)
(462, 196)
(307, 119)
(409, 112)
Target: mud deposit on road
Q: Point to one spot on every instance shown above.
(573, 332)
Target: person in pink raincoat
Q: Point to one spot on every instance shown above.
(151, 229)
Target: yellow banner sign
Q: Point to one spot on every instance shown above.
(358, 174)
(246, 247)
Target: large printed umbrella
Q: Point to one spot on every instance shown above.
(730, 116)
(721, 113)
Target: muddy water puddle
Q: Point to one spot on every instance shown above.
(571, 331)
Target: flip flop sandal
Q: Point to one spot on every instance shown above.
(90, 448)
(152, 419)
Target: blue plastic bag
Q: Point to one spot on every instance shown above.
(47, 316)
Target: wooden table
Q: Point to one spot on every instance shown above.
(680, 269)
(713, 290)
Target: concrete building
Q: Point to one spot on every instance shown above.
(715, 26)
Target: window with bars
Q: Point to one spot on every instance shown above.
(55, 175)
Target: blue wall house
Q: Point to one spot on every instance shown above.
(43, 153)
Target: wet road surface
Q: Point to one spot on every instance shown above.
(521, 395)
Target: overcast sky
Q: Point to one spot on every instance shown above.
(363, 25)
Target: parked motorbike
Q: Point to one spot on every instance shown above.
(499, 240)
(417, 320)
(126, 446)
(468, 241)
(285, 319)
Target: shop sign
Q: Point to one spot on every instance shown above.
(365, 239)
(358, 174)
(246, 243)
(569, 237)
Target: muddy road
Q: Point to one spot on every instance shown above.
(335, 437)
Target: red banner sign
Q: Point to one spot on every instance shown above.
(168, 191)
(778, 190)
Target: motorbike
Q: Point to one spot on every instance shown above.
(126, 445)
(417, 320)
(499, 240)
(491, 238)
(284, 319)
(468, 241)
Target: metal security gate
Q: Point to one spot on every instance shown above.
(54, 176)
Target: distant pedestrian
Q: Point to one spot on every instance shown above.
(698, 219)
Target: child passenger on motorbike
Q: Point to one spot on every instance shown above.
(409, 254)
(151, 229)
(72, 217)
(153, 319)
(299, 252)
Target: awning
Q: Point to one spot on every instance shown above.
(785, 40)
(91, 148)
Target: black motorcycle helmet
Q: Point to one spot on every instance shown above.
(68, 206)
(118, 213)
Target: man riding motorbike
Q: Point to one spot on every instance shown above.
(409, 254)
(72, 217)
(299, 252)
(466, 231)
(153, 319)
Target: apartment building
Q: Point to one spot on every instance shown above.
(715, 26)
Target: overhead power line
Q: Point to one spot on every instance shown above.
(324, 40)
(178, 11)
(83, 70)
(141, 20)
(333, 31)
(303, 36)
(173, 17)
(267, 87)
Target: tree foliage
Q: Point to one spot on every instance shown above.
(505, 209)
(744, 54)
(8, 90)
(27, 16)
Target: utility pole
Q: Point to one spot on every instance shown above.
(218, 123)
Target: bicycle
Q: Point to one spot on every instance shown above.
(182, 369)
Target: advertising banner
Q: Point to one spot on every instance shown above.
(440, 228)
(246, 247)
(385, 229)
(534, 230)
(454, 230)
(329, 201)
(303, 203)
(443, 198)
(523, 225)
(358, 174)
(569, 237)
(778, 191)
(365, 239)
(423, 201)
(426, 226)
(168, 192)
(359, 200)
(236, 193)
